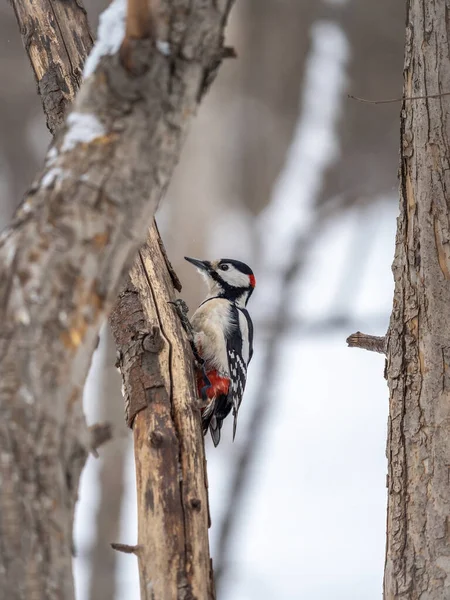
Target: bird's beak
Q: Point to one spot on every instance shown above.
(203, 265)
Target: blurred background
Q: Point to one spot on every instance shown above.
(283, 171)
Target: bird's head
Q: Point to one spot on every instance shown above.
(227, 278)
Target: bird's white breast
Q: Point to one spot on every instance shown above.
(211, 323)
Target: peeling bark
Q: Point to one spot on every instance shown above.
(61, 263)
(418, 346)
(158, 385)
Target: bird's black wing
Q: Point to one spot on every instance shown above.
(245, 312)
(236, 365)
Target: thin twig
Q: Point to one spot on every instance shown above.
(125, 548)
(400, 99)
(100, 433)
(373, 343)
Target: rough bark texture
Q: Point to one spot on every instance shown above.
(418, 351)
(61, 263)
(156, 366)
(57, 39)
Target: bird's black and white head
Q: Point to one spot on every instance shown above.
(227, 278)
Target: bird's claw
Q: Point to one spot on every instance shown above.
(182, 311)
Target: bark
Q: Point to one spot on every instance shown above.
(418, 349)
(160, 398)
(57, 39)
(20, 119)
(61, 263)
(57, 66)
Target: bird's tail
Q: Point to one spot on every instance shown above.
(211, 422)
(235, 414)
(213, 416)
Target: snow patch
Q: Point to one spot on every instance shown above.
(26, 394)
(8, 242)
(163, 47)
(52, 155)
(50, 178)
(22, 317)
(26, 207)
(83, 129)
(111, 31)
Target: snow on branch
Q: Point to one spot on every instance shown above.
(111, 32)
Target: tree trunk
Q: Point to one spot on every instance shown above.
(62, 261)
(418, 349)
(161, 404)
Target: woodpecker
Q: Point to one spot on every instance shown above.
(223, 338)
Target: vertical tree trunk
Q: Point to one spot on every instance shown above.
(160, 400)
(418, 350)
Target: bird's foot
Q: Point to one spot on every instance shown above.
(182, 311)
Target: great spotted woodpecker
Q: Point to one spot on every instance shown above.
(223, 338)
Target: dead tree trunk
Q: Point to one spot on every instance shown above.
(61, 263)
(418, 345)
(156, 366)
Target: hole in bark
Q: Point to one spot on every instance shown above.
(196, 504)
(156, 439)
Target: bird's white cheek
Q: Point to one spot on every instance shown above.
(235, 278)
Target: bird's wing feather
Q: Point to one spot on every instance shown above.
(236, 365)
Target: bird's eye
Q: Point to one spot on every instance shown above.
(224, 267)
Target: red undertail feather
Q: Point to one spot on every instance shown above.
(219, 385)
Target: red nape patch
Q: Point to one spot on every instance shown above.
(252, 280)
(219, 385)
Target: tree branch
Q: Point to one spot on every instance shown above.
(139, 19)
(64, 256)
(125, 548)
(367, 342)
(58, 63)
(400, 99)
(139, 26)
(100, 434)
